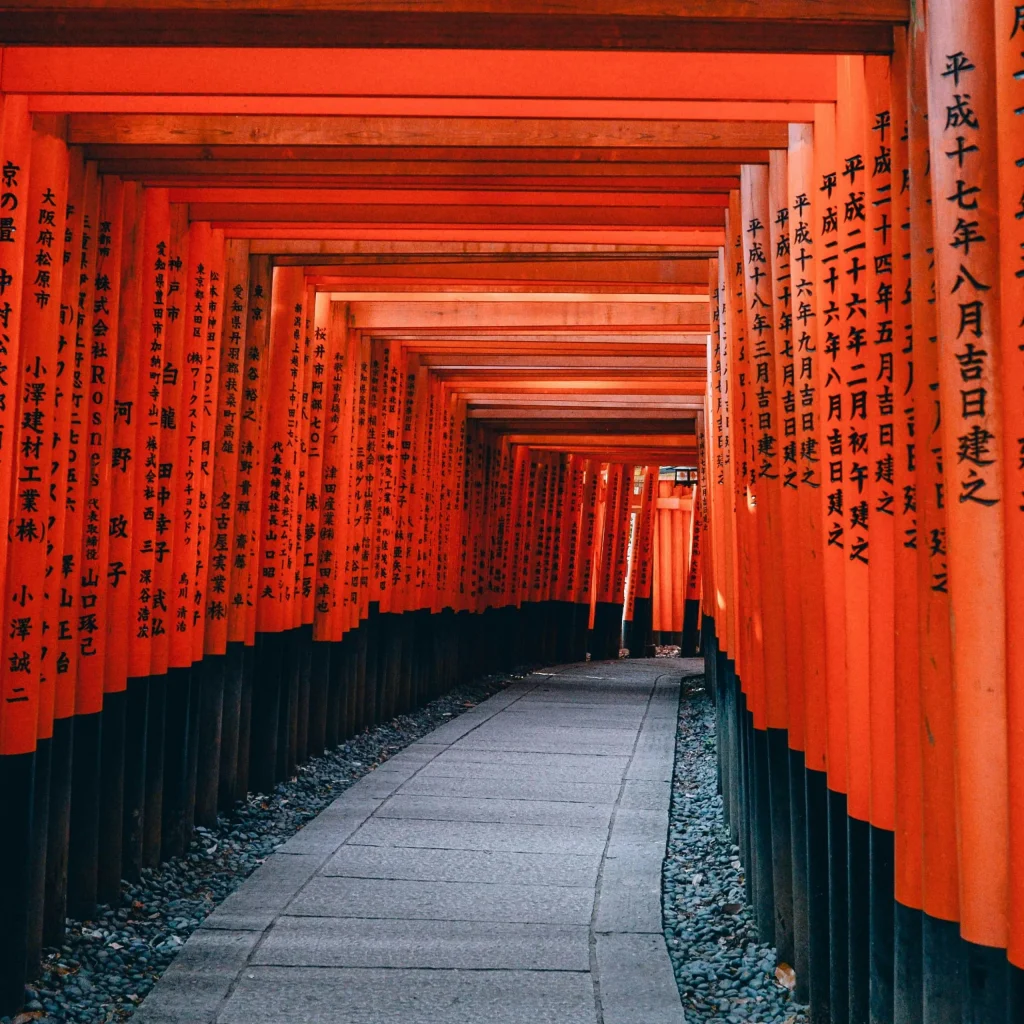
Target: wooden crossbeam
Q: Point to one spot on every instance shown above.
(274, 236)
(427, 174)
(579, 315)
(765, 26)
(371, 197)
(427, 107)
(299, 252)
(213, 130)
(525, 77)
(436, 157)
(670, 273)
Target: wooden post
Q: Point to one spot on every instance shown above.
(963, 128)
(1009, 64)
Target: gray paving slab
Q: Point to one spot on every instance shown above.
(537, 716)
(474, 835)
(527, 786)
(451, 945)
(646, 795)
(506, 868)
(588, 698)
(444, 901)
(281, 995)
(506, 764)
(466, 866)
(539, 760)
(556, 741)
(637, 984)
(381, 783)
(264, 894)
(325, 833)
(630, 897)
(194, 986)
(539, 703)
(496, 809)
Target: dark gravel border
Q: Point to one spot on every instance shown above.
(107, 965)
(724, 973)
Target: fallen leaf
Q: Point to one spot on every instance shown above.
(24, 1018)
(732, 908)
(785, 976)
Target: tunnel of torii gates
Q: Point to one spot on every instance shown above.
(342, 344)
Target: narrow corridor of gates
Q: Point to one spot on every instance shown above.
(506, 867)
(353, 350)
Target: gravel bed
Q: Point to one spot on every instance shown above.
(107, 965)
(724, 973)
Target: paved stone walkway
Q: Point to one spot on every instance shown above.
(505, 869)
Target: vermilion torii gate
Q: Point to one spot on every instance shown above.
(334, 333)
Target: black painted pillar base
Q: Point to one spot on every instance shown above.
(801, 885)
(348, 721)
(858, 916)
(305, 667)
(908, 981)
(61, 768)
(838, 907)
(781, 842)
(424, 649)
(371, 675)
(389, 660)
(1015, 994)
(288, 725)
(552, 610)
(37, 864)
(985, 980)
(111, 824)
(136, 734)
(154, 800)
(319, 684)
(266, 700)
(360, 684)
(245, 723)
(643, 628)
(747, 846)
(17, 784)
(818, 895)
(337, 697)
(192, 762)
(176, 760)
(607, 639)
(83, 836)
(231, 720)
(761, 827)
(882, 926)
(689, 641)
(566, 632)
(941, 957)
(581, 629)
(210, 673)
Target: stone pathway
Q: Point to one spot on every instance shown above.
(505, 869)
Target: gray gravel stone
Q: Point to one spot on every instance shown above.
(724, 973)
